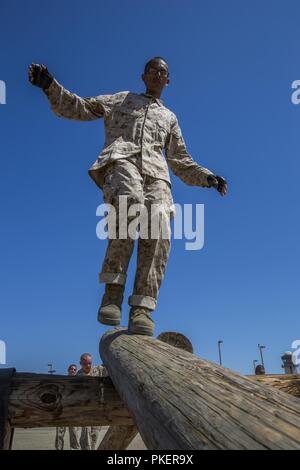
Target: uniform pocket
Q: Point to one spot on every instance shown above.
(129, 113)
(124, 121)
(108, 172)
(161, 132)
(108, 185)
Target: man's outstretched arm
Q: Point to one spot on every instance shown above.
(189, 171)
(63, 102)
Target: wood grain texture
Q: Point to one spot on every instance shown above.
(118, 437)
(289, 383)
(43, 400)
(180, 401)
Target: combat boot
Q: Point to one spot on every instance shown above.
(140, 321)
(109, 312)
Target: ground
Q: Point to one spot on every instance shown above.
(44, 438)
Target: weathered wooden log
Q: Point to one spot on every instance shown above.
(180, 401)
(176, 339)
(55, 400)
(118, 437)
(289, 383)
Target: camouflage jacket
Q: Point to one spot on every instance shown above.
(97, 371)
(135, 125)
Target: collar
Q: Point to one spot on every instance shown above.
(157, 100)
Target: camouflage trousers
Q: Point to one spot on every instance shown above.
(89, 437)
(124, 178)
(73, 435)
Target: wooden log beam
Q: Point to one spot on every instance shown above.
(289, 383)
(182, 402)
(118, 437)
(54, 400)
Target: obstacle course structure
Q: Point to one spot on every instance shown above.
(173, 398)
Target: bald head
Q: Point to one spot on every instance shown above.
(86, 362)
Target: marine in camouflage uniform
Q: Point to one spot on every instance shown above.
(73, 437)
(142, 140)
(89, 434)
(73, 431)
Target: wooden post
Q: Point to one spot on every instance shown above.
(56, 400)
(118, 437)
(182, 402)
(6, 430)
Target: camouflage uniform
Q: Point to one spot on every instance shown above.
(89, 434)
(73, 435)
(142, 139)
(126, 179)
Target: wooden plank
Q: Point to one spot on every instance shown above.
(118, 437)
(182, 402)
(55, 400)
(288, 383)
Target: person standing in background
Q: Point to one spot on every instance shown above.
(89, 434)
(73, 431)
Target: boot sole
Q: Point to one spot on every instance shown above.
(140, 330)
(109, 321)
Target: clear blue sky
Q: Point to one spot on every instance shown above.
(232, 64)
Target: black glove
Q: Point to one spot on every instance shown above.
(39, 76)
(217, 182)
